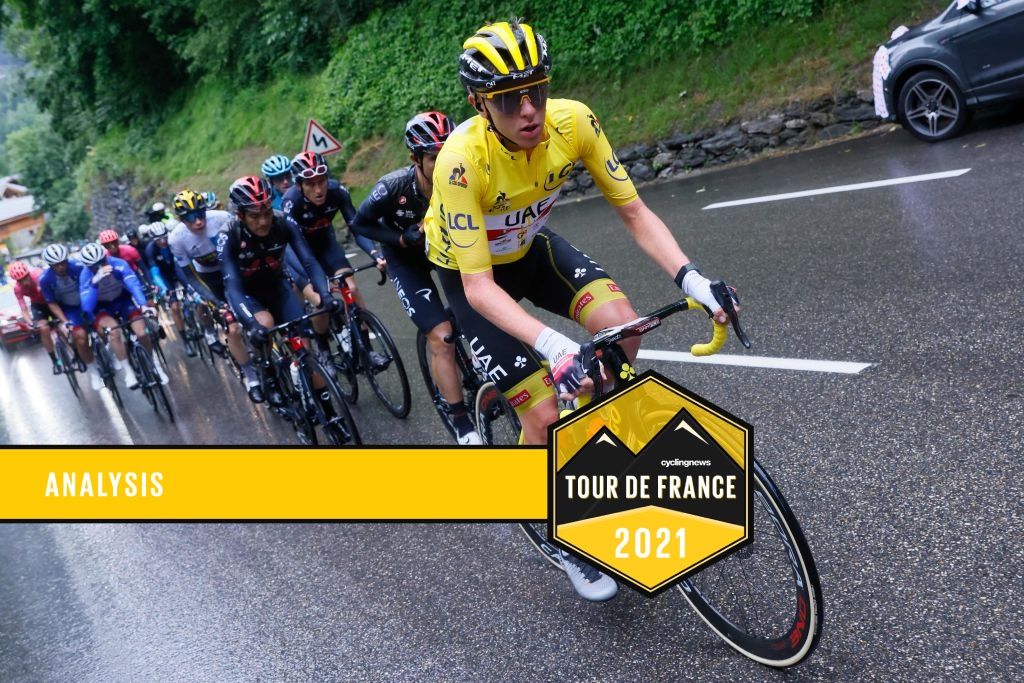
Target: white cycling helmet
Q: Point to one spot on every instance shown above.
(55, 253)
(157, 230)
(158, 207)
(93, 253)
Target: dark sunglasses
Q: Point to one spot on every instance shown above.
(193, 216)
(509, 101)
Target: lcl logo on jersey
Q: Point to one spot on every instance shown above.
(552, 182)
(613, 166)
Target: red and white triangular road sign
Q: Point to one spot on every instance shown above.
(319, 140)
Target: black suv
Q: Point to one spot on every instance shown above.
(931, 76)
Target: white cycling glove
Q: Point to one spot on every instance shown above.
(101, 273)
(561, 352)
(699, 287)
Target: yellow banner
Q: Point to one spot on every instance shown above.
(273, 484)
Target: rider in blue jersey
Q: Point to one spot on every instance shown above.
(59, 285)
(109, 291)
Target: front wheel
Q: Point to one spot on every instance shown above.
(387, 378)
(69, 366)
(339, 429)
(932, 107)
(496, 419)
(764, 600)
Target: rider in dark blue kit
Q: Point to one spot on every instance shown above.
(251, 251)
(392, 215)
(164, 274)
(311, 205)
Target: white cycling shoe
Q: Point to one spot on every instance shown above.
(471, 438)
(159, 369)
(130, 380)
(95, 378)
(588, 580)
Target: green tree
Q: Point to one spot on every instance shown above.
(45, 165)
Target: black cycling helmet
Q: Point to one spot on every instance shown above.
(426, 132)
(307, 165)
(250, 193)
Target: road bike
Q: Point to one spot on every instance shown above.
(106, 363)
(69, 362)
(357, 333)
(764, 600)
(496, 420)
(285, 366)
(142, 364)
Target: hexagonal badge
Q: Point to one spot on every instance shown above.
(651, 483)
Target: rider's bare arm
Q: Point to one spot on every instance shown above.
(653, 236)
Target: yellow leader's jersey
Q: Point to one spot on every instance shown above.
(488, 202)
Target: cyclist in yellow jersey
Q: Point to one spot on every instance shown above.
(495, 182)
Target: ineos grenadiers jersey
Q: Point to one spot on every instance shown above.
(253, 263)
(314, 220)
(62, 290)
(394, 204)
(488, 203)
(199, 250)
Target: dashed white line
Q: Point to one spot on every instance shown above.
(836, 366)
(841, 188)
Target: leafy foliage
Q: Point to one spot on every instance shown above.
(403, 60)
(46, 166)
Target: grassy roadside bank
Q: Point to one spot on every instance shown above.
(221, 132)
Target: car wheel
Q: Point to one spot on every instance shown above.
(932, 107)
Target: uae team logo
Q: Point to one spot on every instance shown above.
(651, 483)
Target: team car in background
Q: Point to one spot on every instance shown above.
(13, 328)
(931, 76)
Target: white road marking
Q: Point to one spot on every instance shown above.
(837, 366)
(841, 188)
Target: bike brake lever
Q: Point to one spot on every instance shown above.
(724, 296)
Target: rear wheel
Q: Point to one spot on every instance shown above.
(424, 356)
(388, 380)
(932, 107)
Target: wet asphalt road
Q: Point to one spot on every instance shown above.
(906, 477)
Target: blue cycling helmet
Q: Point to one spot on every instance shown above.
(276, 165)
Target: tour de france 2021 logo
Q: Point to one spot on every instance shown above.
(651, 483)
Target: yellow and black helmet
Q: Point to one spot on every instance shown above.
(187, 201)
(501, 54)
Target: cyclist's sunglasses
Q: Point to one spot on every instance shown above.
(310, 173)
(193, 216)
(509, 101)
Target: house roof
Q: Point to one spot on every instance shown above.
(16, 207)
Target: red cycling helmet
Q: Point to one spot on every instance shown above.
(18, 270)
(108, 236)
(308, 165)
(426, 132)
(250, 193)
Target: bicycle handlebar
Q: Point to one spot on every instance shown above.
(342, 276)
